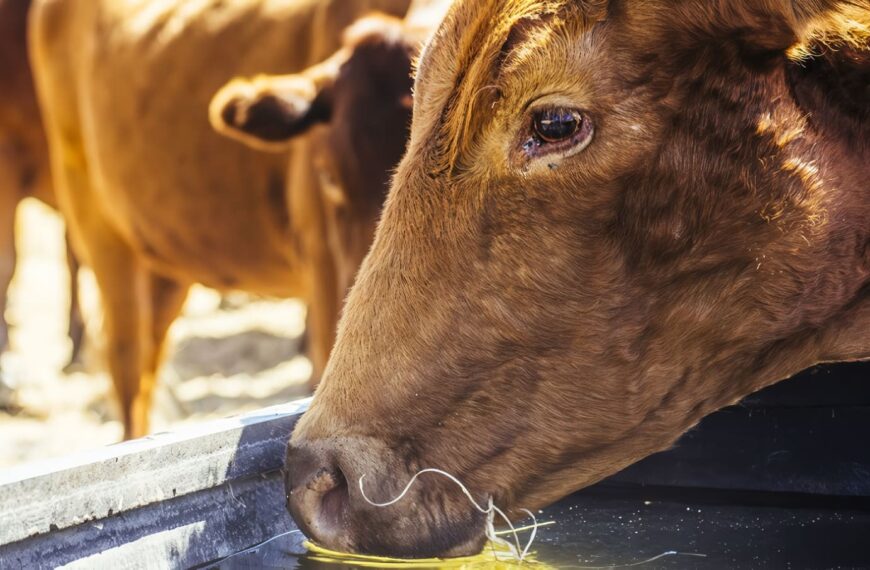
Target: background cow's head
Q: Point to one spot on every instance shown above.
(361, 99)
(613, 218)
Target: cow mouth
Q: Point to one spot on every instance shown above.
(432, 518)
(449, 523)
(401, 535)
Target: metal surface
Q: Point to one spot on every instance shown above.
(175, 499)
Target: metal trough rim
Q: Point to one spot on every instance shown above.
(48, 496)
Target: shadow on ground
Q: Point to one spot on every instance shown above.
(247, 352)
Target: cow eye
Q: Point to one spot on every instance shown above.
(556, 124)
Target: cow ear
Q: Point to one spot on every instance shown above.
(268, 112)
(836, 22)
(774, 25)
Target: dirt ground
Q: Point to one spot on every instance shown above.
(227, 355)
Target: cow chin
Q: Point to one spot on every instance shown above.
(322, 481)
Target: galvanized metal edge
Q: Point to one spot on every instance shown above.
(49, 496)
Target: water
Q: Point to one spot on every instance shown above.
(617, 529)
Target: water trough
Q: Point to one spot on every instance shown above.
(782, 479)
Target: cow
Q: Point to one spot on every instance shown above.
(356, 106)
(155, 199)
(24, 170)
(613, 218)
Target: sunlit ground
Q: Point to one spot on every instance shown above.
(227, 356)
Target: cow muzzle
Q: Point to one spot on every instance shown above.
(322, 482)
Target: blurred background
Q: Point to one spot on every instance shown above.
(226, 355)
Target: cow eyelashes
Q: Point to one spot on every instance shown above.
(556, 130)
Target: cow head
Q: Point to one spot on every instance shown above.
(362, 96)
(613, 218)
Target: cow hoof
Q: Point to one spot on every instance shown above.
(76, 364)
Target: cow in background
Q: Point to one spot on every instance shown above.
(356, 106)
(154, 198)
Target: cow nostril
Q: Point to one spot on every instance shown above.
(325, 480)
(328, 487)
(334, 501)
(319, 503)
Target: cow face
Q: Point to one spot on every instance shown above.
(362, 96)
(613, 218)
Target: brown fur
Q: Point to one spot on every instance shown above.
(533, 323)
(24, 169)
(154, 198)
(357, 105)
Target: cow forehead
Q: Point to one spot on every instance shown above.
(475, 43)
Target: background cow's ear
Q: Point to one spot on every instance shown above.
(268, 112)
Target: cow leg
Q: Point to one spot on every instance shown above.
(323, 313)
(309, 222)
(7, 269)
(139, 307)
(76, 326)
(324, 305)
(123, 286)
(10, 195)
(167, 297)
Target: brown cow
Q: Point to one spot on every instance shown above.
(24, 169)
(362, 94)
(155, 199)
(613, 218)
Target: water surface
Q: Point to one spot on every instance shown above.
(622, 529)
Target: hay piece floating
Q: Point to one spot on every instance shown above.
(494, 556)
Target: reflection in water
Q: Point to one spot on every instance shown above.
(303, 554)
(493, 557)
(646, 529)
